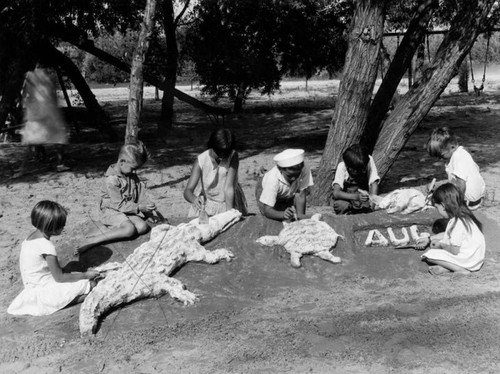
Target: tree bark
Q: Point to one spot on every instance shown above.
(240, 97)
(12, 90)
(167, 103)
(463, 76)
(400, 63)
(56, 57)
(79, 39)
(136, 75)
(356, 88)
(414, 106)
(420, 61)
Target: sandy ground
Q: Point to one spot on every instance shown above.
(378, 312)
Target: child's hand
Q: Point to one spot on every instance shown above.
(363, 196)
(92, 274)
(422, 243)
(147, 207)
(199, 202)
(290, 214)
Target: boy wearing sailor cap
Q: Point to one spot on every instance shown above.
(283, 195)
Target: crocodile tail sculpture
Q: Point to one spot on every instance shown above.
(145, 273)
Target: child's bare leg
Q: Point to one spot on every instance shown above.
(442, 267)
(60, 158)
(341, 206)
(126, 230)
(141, 226)
(438, 270)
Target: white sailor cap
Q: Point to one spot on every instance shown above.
(289, 157)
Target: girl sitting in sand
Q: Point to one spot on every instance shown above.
(213, 184)
(462, 247)
(47, 288)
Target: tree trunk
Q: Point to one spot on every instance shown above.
(420, 61)
(167, 103)
(56, 57)
(463, 76)
(356, 88)
(413, 107)
(136, 74)
(412, 39)
(240, 97)
(12, 90)
(79, 39)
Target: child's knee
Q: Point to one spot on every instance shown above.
(128, 229)
(141, 227)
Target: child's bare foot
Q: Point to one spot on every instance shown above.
(462, 272)
(83, 249)
(438, 270)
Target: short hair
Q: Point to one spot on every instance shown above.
(222, 141)
(136, 152)
(356, 157)
(48, 216)
(439, 140)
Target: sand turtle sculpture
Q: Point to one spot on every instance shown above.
(145, 272)
(305, 237)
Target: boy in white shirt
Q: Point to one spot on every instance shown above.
(461, 169)
(355, 179)
(283, 188)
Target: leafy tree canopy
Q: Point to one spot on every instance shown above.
(253, 43)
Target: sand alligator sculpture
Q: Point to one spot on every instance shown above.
(146, 272)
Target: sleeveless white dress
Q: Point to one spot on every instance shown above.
(214, 179)
(42, 295)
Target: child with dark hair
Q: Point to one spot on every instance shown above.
(461, 169)
(355, 179)
(213, 184)
(47, 288)
(462, 247)
(125, 205)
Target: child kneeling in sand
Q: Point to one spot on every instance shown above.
(355, 180)
(461, 169)
(47, 288)
(282, 193)
(124, 205)
(462, 248)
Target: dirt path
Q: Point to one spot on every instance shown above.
(379, 311)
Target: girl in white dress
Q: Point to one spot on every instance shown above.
(214, 178)
(47, 288)
(462, 247)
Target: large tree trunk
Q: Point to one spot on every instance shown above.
(463, 76)
(167, 103)
(56, 57)
(413, 107)
(420, 61)
(12, 89)
(136, 74)
(240, 98)
(356, 88)
(400, 63)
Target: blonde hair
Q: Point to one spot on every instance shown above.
(440, 139)
(135, 152)
(49, 217)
